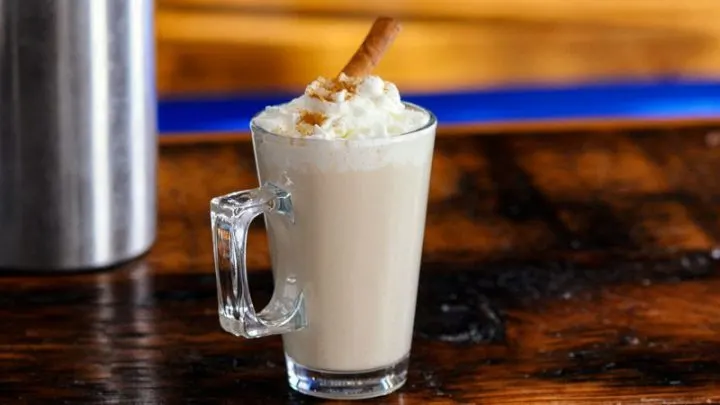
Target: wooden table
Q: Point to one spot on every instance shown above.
(558, 268)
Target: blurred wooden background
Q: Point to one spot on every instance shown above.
(256, 45)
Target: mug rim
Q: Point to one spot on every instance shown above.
(431, 122)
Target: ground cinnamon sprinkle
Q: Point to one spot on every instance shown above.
(308, 120)
(350, 86)
(314, 94)
(330, 87)
(312, 118)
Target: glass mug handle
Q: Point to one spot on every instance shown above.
(230, 216)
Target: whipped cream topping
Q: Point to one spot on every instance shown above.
(343, 108)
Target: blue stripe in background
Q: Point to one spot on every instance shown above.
(636, 100)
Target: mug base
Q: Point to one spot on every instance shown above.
(347, 385)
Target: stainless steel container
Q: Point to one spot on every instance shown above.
(77, 133)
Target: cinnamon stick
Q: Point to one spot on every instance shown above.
(368, 55)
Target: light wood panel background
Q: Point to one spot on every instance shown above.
(255, 45)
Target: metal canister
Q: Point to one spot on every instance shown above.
(78, 143)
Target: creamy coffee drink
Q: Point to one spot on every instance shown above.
(357, 167)
(344, 173)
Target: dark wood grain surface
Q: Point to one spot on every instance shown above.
(562, 268)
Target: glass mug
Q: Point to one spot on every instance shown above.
(345, 221)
